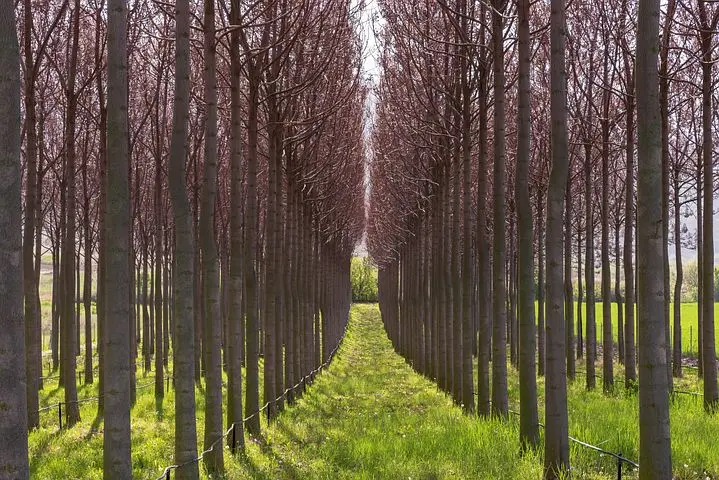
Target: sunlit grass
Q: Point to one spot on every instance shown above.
(369, 415)
(689, 312)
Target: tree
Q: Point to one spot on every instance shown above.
(67, 268)
(711, 389)
(210, 261)
(556, 437)
(117, 462)
(499, 358)
(32, 315)
(529, 420)
(235, 341)
(654, 440)
(183, 270)
(13, 395)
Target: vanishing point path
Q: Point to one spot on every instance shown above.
(370, 416)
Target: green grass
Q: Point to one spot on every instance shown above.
(369, 415)
(689, 324)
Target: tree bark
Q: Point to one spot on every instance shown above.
(13, 393)
(499, 289)
(32, 315)
(655, 447)
(630, 376)
(183, 270)
(568, 287)
(607, 339)
(117, 462)
(234, 377)
(677, 360)
(212, 325)
(67, 268)
(529, 417)
(556, 436)
(711, 392)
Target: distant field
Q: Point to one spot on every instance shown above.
(689, 324)
(689, 315)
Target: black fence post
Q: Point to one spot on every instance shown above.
(232, 445)
(619, 466)
(59, 413)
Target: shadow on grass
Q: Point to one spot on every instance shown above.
(94, 427)
(288, 470)
(42, 448)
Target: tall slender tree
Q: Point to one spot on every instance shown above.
(13, 394)
(117, 462)
(214, 463)
(529, 419)
(183, 270)
(655, 456)
(556, 437)
(500, 401)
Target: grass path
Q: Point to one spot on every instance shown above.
(371, 416)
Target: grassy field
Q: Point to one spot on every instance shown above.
(689, 324)
(371, 416)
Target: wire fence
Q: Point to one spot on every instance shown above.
(621, 459)
(167, 472)
(93, 398)
(620, 378)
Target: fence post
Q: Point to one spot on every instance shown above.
(691, 343)
(232, 445)
(619, 466)
(167, 474)
(59, 413)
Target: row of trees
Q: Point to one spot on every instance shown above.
(218, 206)
(559, 181)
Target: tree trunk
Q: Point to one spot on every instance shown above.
(590, 343)
(87, 281)
(580, 296)
(568, 288)
(158, 295)
(529, 417)
(618, 294)
(117, 462)
(484, 347)
(630, 378)
(556, 439)
(499, 289)
(252, 394)
(467, 264)
(72, 410)
(655, 448)
(32, 315)
(700, 276)
(13, 394)
(234, 370)
(677, 360)
(541, 328)
(607, 339)
(711, 392)
(212, 324)
(183, 271)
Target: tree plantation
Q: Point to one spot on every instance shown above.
(202, 200)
